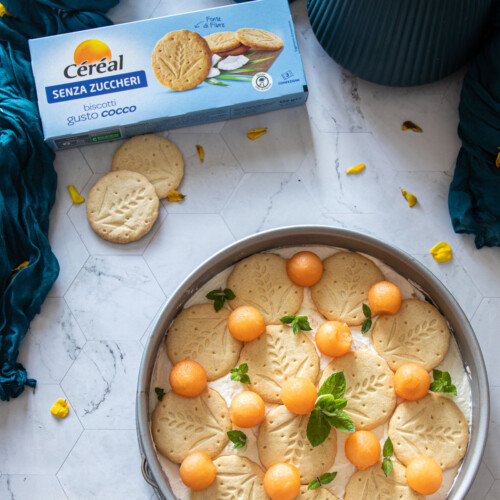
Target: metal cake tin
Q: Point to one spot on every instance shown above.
(400, 261)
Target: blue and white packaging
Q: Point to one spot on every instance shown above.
(98, 85)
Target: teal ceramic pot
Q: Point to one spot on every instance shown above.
(400, 42)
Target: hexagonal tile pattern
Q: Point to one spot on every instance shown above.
(97, 245)
(104, 464)
(175, 252)
(287, 132)
(492, 453)
(494, 493)
(101, 384)
(24, 487)
(202, 181)
(103, 292)
(482, 483)
(26, 425)
(52, 343)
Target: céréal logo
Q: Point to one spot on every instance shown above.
(91, 57)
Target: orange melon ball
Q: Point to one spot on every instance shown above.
(411, 381)
(362, 449)
(304, 268)
(384, 297)
(247, 409)
(246, 323)
(198, 471)
(424, 475)
(188, 378)
(299, 395)
(282, 481)
(333, 338)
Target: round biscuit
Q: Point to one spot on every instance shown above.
(259, 39)
(181, 60)
(277, 355)
(417, 333)
(122, 206)
(238, 51)
(154, 157)
(222, 41)
(372, 483)
(182, 425)
(369, 387)
(261, 281)
(283, 438)
(317, 494)
(343, 288)
(433, 426)
(237, 478)
(200, 333)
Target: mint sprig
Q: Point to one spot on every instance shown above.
(297, 323)
(160, 393)
(240, 374)
(238, 438)
(367, 323)
(442, 383)
(220, 296)
(325, 478)
(328, 411)
(388, 451)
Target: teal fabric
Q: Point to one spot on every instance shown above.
(27, 177)
(474, 198)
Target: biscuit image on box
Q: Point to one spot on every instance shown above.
(259, 39)
(154, 157)
(200, 333)
(237, 477)
(222, 41)
(181, 60)
(282, 438)
(122, 206)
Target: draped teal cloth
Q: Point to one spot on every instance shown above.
(474, 197)
(27, 177)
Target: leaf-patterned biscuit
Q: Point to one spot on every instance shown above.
(317, 494)
(222, 41)
(153, 156)
(122, 206)
(369, 387)
(343, 288)
(200, 333)
(282, 438)
(237, 478)
(418, 333)
(181, 60)
(433, 426)
(261, 281)
(183, 425)
(372, 483)
(276, 356)
(259, 39)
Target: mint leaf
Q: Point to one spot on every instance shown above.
(160, 393)
(214, 294)
(297, 323)
(287, 319)
(240, 374)
(219, 303)
(367, 311)
(303, 323)
(365, 327)
(314, 484)
(295, 327)
(341, 421)
(442, 383)
(387, 466)
(327, 477)
(229, 294)
(388, 448)
(219, 297)
(329, 404)
(238, 438)
(450, 389)
(334, 385)
(318, 428)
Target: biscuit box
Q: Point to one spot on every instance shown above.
(175, 71)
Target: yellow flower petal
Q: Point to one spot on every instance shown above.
(411, 198)
(60, 408)
(175, 196)
(75, 195)
(256, 133)
(409, 125)
(201, 152)
(24, 264)
(497, 162)
(441, 252)
(356, 169)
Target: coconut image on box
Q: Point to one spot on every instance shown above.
(175, 71)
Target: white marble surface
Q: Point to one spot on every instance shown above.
(87, 342)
